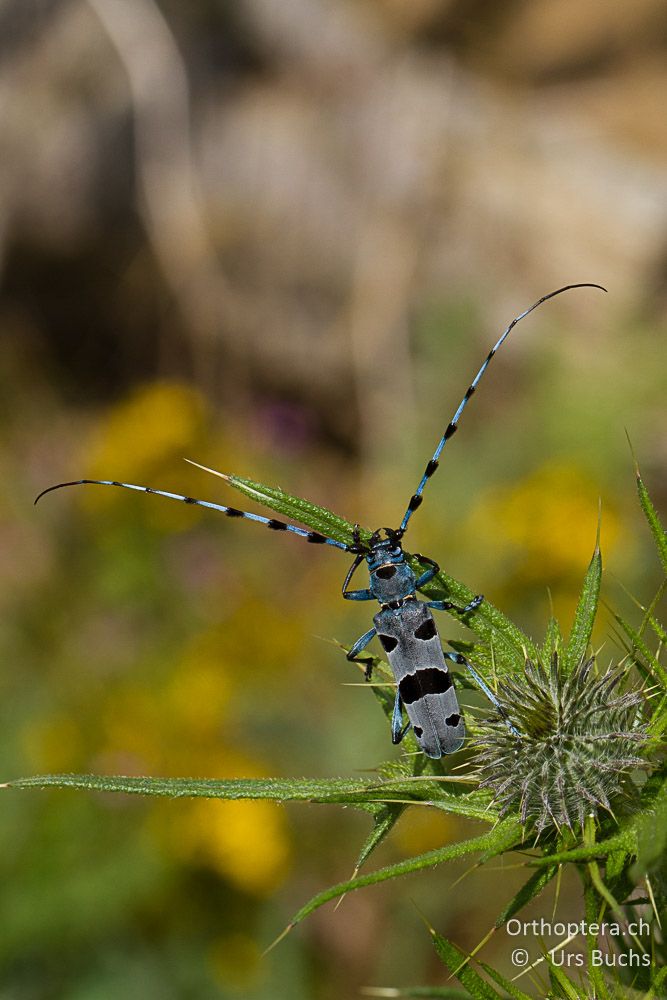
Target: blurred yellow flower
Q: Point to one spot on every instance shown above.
(157, 424)
(199, 689)
(246, 842)
(424, 830)
(152, 424)
(549, 521)
(177, 729)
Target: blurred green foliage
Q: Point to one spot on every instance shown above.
(311, 324)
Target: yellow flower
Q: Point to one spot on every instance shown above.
(199, 690)
(157, 425)
(548, 520)
(424, 830)
(246, 842)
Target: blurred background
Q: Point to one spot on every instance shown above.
(279, 239)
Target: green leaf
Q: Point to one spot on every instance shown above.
(509, 987)
(386, 817)
(580, 637)
(616, 864)
(384, 821)
(528, 891)
(363, 793)
(640, 648)
(281, 790)
(652, 832)
(625, 841)
(651, 515)
(457, 963)
(559, 979)
(657, 628)
(504, 835)
(658, 984)
(592, 912)
(311, 514)
(553, 641)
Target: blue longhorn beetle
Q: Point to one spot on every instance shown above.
(404, 624)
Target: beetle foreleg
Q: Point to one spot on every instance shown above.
(355, 595)
(360, 644)
(430, 572)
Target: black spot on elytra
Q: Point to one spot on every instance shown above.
(453, 720)
(233, 512)
(426, 630)
(428, 680)
(389, 643)
(418, 731)
(385, 572)
(276, 525)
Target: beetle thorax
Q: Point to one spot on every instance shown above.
(391, 579)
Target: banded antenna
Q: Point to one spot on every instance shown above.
(452, 426)
(314, 537)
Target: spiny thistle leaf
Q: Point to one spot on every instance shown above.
(383, 823)
(584, 617)
(311, 514)
(457, 963)
(528, 891)
(387, 816)
(579, 737)
(651, 515)
(561, 985)
(658, 985)
(652, 829)
(503, 837)
(362, 793)
(514, 992)
(641, 652)
(553, 641)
